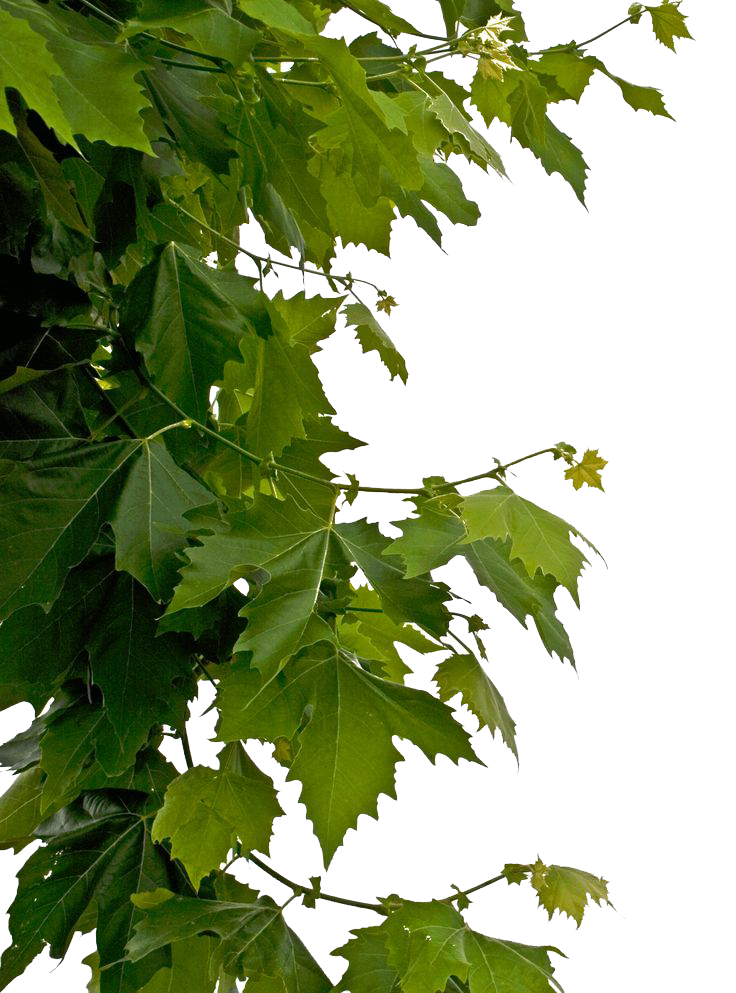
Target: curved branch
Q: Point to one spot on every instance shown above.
(300, 890)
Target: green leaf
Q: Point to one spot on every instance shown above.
(206, 811)
(277, 14)
(211, 29)
(587, 471)
(416, 600)
(538, 538)
(426, 945)
(434, 537)
(255, 942)
(368, 632)
(187, 320)
(431, 949)
(149, 523)
(346, 757)
(570, 70)
(641, 97)
(144, 680)
(20, 810)
(45, 534)
(558, 154)
(568, 890)
(368, 968)
(372, 337)
(54, 186)
(37, 648)
(99, 853)
(22, 47)
(383, 16)
(498, 966)
(465, 675)
(668, 23)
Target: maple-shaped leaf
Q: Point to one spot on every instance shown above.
(668, 23)
(465, 675)
(430, 948)
(148, 522)
(99, 852)
(346, 756)
(386, 304)
(366, 630)
(369, 970)
(540, 539)
(426, 945)
(187, 319)
(436, 535)
(372, 337)
(561, 888)
(587, 470)
(206, 811)
(254, 943)
(20, 809)
(44, 536)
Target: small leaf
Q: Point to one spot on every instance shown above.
(668, 23)
(372, 337)
(587, 470)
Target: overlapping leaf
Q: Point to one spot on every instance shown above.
(345, 757)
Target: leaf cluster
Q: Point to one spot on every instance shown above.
(166, 516)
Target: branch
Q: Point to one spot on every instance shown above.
(299, 890)
(589, 41)
(345, 281)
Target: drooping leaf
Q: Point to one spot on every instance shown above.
(20, 810)
(464, 674)
(372, 337)
(538, 538)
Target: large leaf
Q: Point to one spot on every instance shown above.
(149, 523)
(255, 942)
(538, 538)
(345, 757)
(187, 320)
(51, 510)
(99, 853)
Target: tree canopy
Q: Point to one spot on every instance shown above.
(166, 516)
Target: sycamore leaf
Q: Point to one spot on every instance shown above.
(538, 538)
(368, 968)
(426, 946)
(99, 852)
(561, 888)
(187, 320)
(372, 337)
(434, 537)
(144, 680)
(642, 97)
(346, 756)
(255, 942)
(23, 47)
(366, 630)
(20, 810)
(587, 470)
(668, 23)
(43, 535)
(206, 811)
(38, 648)
(558, 154)
(149, 523)
(429, 947)
(464, 674)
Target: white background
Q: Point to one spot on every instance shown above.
(610, 329)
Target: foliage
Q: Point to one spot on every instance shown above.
(165, 516)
